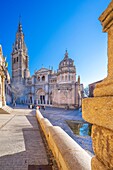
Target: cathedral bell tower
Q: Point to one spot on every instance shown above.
(20, 70)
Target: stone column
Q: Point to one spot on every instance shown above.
(37, 101)
(46, 97)
(49, 98)
(3, 91)
(40, 78)
(76, 94)
(99, 110)
(32, 99)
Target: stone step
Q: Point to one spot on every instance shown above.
(6, 110)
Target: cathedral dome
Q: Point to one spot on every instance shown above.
(66, 62)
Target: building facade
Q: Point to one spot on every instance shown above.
(60, 89)
(92, 87)
(8, 89)
(5, 86)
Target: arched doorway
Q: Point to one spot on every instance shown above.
(41, 96)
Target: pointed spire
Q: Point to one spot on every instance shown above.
(79, 79)
(66, 54)
(19, 42)
(20, 25)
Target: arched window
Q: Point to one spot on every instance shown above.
(72, 77)
(38, 78)
(43, 78)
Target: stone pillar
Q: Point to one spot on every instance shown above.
(99, 110)
(37, 101)
(46, 97)
(40, 78)
(76, 95)
(3, 90)
(32, 99)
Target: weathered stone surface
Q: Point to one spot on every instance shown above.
(97, 165)
(99, 111)
(106, 18)
(106, 87)
(69, 155)
(103, 145)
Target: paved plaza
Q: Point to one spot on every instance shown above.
(58, 117)
(20, 141)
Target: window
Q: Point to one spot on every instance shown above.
(43, 78)
(72, 77)
(38, 78)
(17, 59)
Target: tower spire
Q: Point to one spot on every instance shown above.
(66, 54)
(19, 18)
(19, 56)
(19, 25)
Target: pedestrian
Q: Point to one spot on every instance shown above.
(15, 104)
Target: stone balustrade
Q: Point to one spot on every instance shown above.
(68, 154)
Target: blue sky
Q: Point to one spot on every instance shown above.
(51, 26)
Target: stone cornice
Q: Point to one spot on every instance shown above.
(66, 71)
(106, 18)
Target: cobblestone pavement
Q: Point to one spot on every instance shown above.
(20, 141)
(58, 117)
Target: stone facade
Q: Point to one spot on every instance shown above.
(99, 110)
(5, 88)
(92, 87)
(2, 78)
(47, 87)
(8, 89)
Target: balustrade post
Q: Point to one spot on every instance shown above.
(99, 109)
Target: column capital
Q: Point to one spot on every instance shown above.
(106, 18)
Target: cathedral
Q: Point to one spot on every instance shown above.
(45, 87)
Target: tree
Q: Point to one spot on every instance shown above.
(17, 89)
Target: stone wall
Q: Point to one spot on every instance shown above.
(99, 110)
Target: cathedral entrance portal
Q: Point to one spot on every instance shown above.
(42, 99)
(41, 96)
